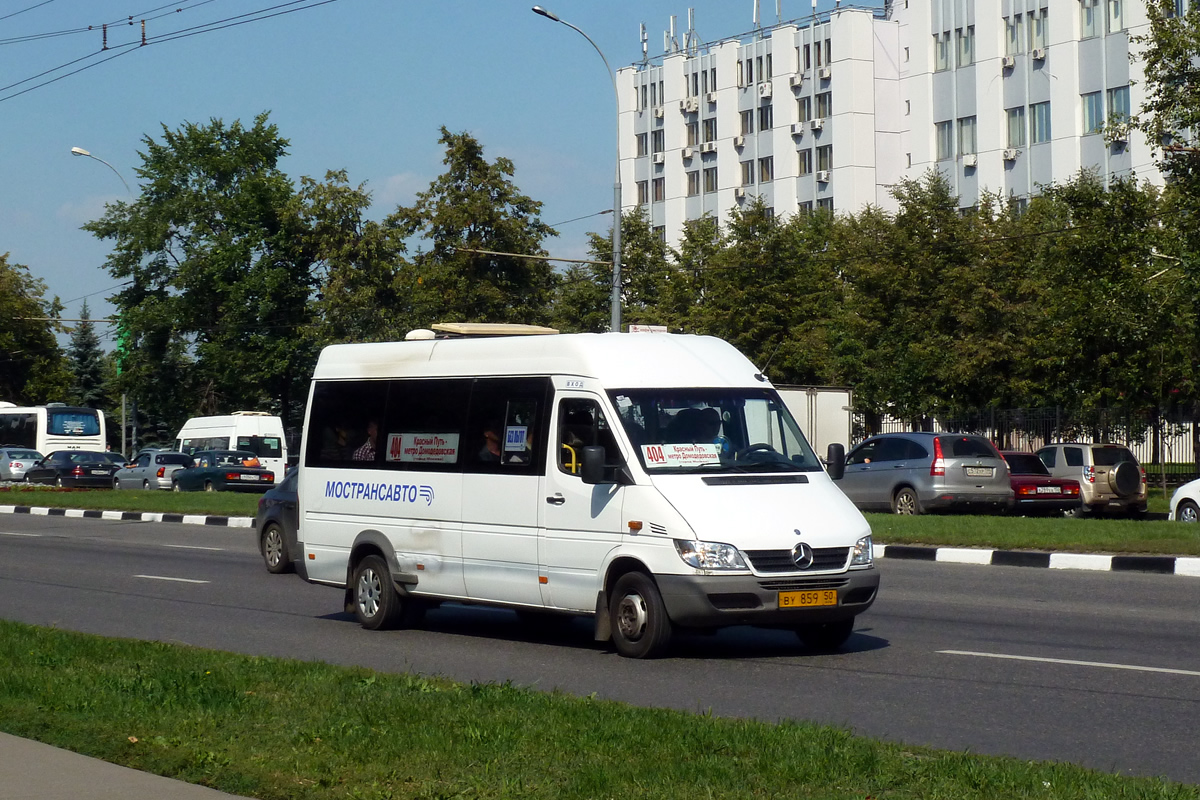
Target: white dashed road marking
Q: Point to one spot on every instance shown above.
(165, 578)
(1073, 663)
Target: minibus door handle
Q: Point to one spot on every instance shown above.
(556, 500)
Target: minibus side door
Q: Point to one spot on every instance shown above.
(579, 524)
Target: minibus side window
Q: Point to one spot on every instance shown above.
(423, 427)
(506, 426)
(581, 423)
(344, 414)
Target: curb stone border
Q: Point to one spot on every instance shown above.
(1163, 565)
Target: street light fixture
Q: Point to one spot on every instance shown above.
(616, 228)
(79, 151)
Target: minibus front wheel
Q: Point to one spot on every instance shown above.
(377, 604)
(640, 625)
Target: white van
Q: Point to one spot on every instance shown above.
(651, 481)
(256, 431)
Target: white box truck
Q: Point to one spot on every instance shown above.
(824, 413)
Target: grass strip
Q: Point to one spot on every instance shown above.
(227, 504)
(274, 728)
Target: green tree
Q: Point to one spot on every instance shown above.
(31, 363)
(219, 279)
(474, 205)
(87, 363)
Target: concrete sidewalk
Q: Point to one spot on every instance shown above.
(31, 770)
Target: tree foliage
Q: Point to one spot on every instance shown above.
(87, 364)
(31, 364)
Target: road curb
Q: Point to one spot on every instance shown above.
(132, 516)
(1162, 565)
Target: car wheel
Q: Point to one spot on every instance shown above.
(1187, 511)
(826, 635)
(377, 605)
(208, 486)
(116, 483)
(175, 486)
(640, 626)
(274, 550)
(58, 482)
(906, 502)
(1077, 512)
(146, 484)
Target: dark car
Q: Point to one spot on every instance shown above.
(223, 471)
(1035, 491)
(277, 522)
(73, 468)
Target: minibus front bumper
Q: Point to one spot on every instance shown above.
(708, 601)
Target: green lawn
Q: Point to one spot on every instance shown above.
(229, 504)
(272, 728)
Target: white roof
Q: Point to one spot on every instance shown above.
(617, 360)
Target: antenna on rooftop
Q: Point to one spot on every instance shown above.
(643, 37)
(779, 11)
(673, 46)
(756, 23)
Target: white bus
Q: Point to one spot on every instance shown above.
(51, 427)
(648, 481)
(255, 431)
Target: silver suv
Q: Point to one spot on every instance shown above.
(910, 473)
(1110, 478)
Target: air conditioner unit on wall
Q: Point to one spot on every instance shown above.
(970, 160)
(797, 129)
(708, 147)
(1010, 153)
(711, 97)
(659, 158)
(824, 73)
(689, 105)
(687, 153)
(764, 89)
(1038, 53)
(739, 193)
(823, 176)
(658, 112)
(1008, 62)
(739, 141)
(796, 81)
(816, 124)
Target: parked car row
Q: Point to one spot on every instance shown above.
(209, 471)
(918, 472)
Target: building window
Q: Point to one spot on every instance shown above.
(660, 189)
(825, 157)
(817, 48)
(747, 122)
(657, 141)
(1118, 105)
(1038, 29)
(653, 94)
(766, 169)
(747, 173)
(966, 46)
(693, 133)
(1016, 127)
(1039, 123)
(703, 82)
(643, 188)
(804, 108)
(741, 75)
(941, 52)
(944, 135)
(966, 136)
(805, 162)
(1093, 112)
(762, 76)
(829, 51)
(807, 58)
(710, 130)
(749, 71)
(710, 179)
(806, 206)
(712, 78)
(825, 105)
(660, 233)
(765, 117)
(1116, 21)
(770, 70)
(825, 204)
(644, 90)
(693, 179)
(1013, 41)
(642, 140)
(1089, 18)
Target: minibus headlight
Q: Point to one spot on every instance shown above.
(709, 555)
(861, 555)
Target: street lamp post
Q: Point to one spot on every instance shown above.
(79, 151)
(615, 324)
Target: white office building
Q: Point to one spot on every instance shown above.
(1000, 96)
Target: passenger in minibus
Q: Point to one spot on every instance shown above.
(366, 452)
(491, 450)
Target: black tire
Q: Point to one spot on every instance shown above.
(377, 605)
(826, 635)
(116, 483)
(175, 486)
(1125, 479)
(1078, 512)
(273, 545)
(208, 486)
(59, 482)
(1187, 511)
(905, 502)
(146, 485)
(640, 625)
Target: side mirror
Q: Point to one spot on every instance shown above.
(835, 460)
(592, 471)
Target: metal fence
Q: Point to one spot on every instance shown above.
(1166, 445)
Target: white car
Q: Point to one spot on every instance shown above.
(1185, 503)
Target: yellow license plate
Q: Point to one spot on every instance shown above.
(821, 597)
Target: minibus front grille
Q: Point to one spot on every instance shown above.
(803, 584)
(824, 558)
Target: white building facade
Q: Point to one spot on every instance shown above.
(1000, 96)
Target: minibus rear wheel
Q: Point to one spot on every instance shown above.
(640, 625)
(377, 605)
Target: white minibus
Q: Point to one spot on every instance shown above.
(51, 427)
(255, 431)
(653, 482)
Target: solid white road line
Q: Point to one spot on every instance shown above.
(1072, 662)
(193, 547)
(165, 578)
(14, 533)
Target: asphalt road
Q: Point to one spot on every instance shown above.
(1099, 669)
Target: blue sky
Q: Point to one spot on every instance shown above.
(360, 85)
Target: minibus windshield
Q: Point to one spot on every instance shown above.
(713, 431)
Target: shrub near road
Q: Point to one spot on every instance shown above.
(272, 728)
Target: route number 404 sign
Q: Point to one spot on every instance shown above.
(681, 455)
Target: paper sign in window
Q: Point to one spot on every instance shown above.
(423, 448)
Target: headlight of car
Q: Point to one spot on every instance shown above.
(861, 555)
(709, 555)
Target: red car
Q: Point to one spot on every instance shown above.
(1034, 490)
